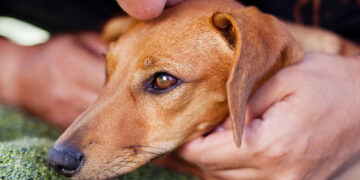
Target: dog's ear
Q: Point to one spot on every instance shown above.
(261, 47)
(116, 27)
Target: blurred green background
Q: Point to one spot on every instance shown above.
(24, 142)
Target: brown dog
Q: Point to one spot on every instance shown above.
(174, 78)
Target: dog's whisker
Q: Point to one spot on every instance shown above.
(123, 156)
(144, 146)
(122, 165)
(124, 162)
(129, 161)
(116, 169)
(121, 161)
(146, 152)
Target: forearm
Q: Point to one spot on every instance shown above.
(10, 59)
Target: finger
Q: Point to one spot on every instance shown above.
(87, 73)
(142, 9)
(92, 42)
(227, 124)
(272, 91)
(93, 76)
(243, 173)
(93, 68)
(173, 2)
(216, 151)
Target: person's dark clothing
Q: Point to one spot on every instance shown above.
(340, 16)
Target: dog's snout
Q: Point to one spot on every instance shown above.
(65, 159)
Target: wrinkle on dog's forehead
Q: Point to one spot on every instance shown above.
(185, 47)
(149, 61)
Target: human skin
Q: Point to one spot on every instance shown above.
(57, 80)
(53, 83)
(145, 9)
(301, 124)
(30, 76)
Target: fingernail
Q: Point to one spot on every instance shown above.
(173, 2)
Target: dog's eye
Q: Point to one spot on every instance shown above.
(164, 81)
(161, 83)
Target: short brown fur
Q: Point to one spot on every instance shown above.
(221, 50)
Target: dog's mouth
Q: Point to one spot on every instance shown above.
(158, 156)
(132, 157)
(152, 150)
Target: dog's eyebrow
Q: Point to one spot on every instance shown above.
(149, 61)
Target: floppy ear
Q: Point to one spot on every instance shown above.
(261, 46)
(116, 27)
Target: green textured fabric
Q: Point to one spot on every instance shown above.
(24, 143)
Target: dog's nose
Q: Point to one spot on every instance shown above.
(65, 159)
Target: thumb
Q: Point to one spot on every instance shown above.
(173, 2)
(217, 150)
(142, 9)
(274, 90)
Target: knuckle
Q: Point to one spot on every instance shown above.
(59, 97)
(278, 152)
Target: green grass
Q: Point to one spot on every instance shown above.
(24, 142)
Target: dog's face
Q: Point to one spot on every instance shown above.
(168, 80)
(166, 84)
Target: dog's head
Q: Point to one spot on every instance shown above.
(172, 79)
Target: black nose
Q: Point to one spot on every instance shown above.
(65, 159)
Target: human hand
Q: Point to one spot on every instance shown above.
(145, 9)
(302, 124)
(59, 79)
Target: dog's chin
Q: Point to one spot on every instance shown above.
(100, 173)
(95, 170)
